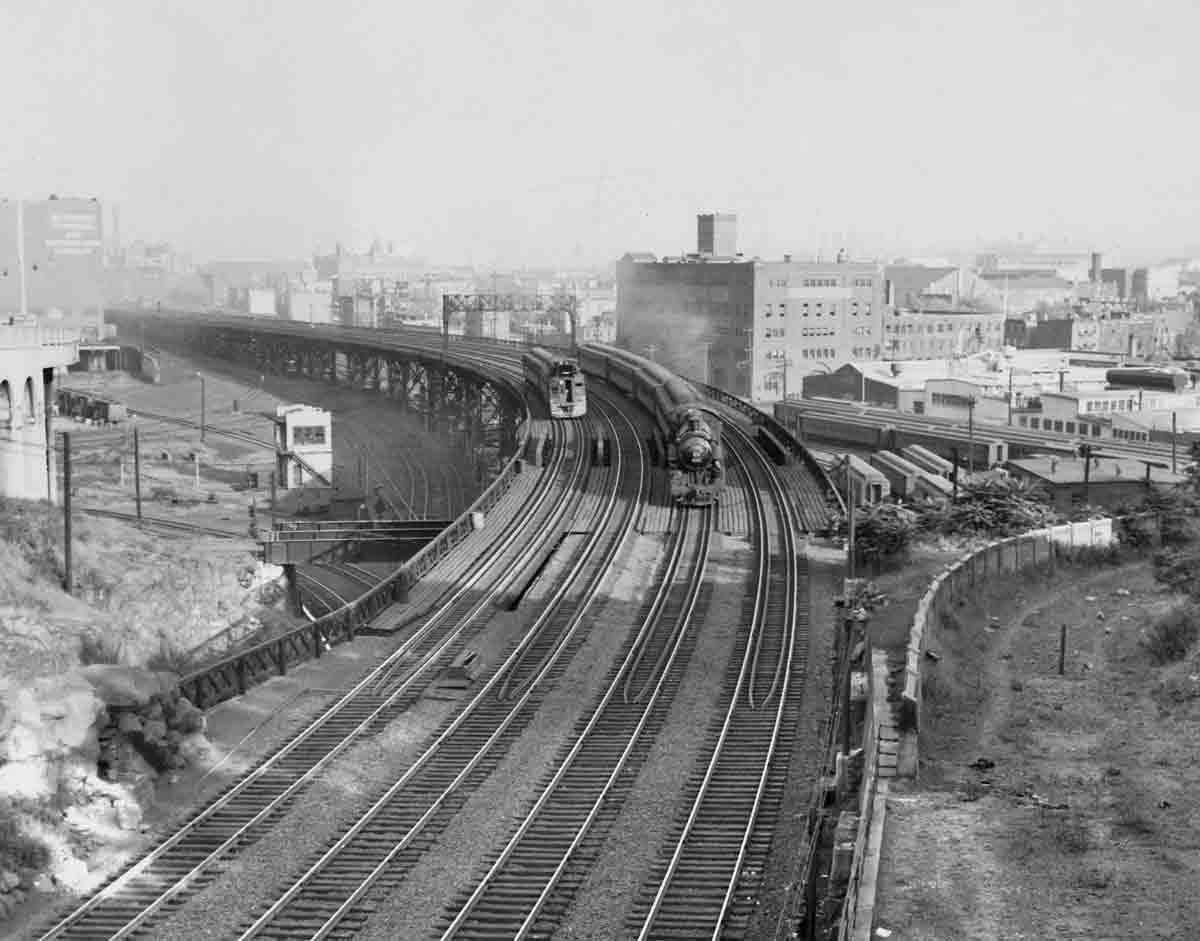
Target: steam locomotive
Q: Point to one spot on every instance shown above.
(687, 437)
(559, 380)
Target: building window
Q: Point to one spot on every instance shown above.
(308, 434)
(1070, 427)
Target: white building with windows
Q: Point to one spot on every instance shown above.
(303, 446)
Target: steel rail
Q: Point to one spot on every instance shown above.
(365, 689)
(713, 923)
(552, 608)
(579, 760)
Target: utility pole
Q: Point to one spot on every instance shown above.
(1174, 430)
(1010, 395)
(137, 475)
(202, 408)
(971, 435)
(67, 510)
(1086, 451)
(849, 520)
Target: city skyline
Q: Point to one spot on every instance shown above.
(560, 135)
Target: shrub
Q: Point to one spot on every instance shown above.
(170, 657)
(1177, 567)
(18, 850)
(100, 648)
(1173, 634)
(885, 530)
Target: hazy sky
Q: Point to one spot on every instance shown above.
(548, 131)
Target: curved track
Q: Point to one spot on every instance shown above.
(185, 861)
(705, 884)
(532, 880)
(330, 897)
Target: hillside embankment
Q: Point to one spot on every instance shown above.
(1048, 804)
(90, 721)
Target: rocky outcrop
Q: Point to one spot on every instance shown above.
(79, 757)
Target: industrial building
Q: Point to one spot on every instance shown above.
(1106, 482)
(749, 326)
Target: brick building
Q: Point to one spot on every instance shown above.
(750, 326)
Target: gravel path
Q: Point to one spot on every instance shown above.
(489, 816)
(606, 895)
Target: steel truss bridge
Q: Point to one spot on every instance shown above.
(453, 396)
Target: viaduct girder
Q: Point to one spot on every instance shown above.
(453, 399)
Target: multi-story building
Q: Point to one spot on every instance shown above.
(1068, 264)
(52, 251)
(937, 334)
(750, 326)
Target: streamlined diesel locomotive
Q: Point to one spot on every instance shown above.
(559, 380)
(688, 437)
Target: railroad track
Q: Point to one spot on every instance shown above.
(332, 897)
(244, 436)
(158, 522)
(706, 882)
(531, 882)
(188, 860)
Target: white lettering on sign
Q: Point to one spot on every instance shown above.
(72, 219)
(73, 243)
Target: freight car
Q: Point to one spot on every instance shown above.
(1169, 378)
(691, 439)
(559, 380)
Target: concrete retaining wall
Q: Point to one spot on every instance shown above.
(1016, 553)
(890, 740)
(880, 743)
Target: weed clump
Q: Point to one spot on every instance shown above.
(18, 850)
(1174, 634)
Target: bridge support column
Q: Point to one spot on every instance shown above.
(293, 589)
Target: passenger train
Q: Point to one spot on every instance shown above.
(560, 381)
(690, 437)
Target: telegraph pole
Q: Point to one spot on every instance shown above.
(1174, 429)
(971, 435)
(202, 408)
(67, 509)
(137, 474)
(1010, 395)
(849, 520)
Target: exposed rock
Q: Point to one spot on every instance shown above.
(42, 723)
(127, 687)
(129, 814)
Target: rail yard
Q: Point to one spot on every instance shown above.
(597, 705)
